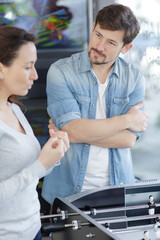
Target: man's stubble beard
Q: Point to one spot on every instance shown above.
(101, 63)
(96, 63)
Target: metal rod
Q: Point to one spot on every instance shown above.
(57, 215)
(128, 229)
(116, 209)
(76, 224)
(98, 211)
(127, 219)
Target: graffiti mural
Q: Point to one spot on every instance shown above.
(55, 23)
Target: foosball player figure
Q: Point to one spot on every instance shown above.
(151, 206)
(146, 235)
(157, 228)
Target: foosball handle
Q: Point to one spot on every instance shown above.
(52, 227)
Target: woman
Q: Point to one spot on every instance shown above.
(21, 161)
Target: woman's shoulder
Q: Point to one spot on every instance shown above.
(15, 107)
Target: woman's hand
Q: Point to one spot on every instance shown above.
(60, 135)
(54, 149)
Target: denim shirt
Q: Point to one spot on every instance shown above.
(72, 92)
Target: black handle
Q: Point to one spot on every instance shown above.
(52, 227)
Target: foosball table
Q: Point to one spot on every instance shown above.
(124, 212)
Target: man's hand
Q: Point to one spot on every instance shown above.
(138, 118)
(52, 126)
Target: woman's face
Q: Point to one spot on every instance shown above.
(19, 77)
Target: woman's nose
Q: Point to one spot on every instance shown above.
(34, 75)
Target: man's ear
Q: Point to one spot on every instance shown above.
(93, 27)
(126, 48)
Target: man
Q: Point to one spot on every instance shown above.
(96, 97)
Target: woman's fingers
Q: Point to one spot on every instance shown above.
(64, 136)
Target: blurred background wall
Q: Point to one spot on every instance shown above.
(63, 27)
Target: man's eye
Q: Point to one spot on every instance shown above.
(98, 35)
(113, 44)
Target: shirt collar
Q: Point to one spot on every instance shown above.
(116, 68)
(85, 64)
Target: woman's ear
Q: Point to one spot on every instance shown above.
(126, 48)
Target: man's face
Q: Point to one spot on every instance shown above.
(105, 45)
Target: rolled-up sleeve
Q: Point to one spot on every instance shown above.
(62, 106)
(137, 95)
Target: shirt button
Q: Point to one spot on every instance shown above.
(51, 112)
(82, 99)
(77, 187)
(93, 105)
(108, 106)
(82, 166)
(94, 82)
(86, 145)
(122, 102)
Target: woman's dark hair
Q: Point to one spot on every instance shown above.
(11, 39)
(119, 17)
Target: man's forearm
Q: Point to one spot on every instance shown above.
(91, 130)
(123, 139)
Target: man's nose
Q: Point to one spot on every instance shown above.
(101, 46)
